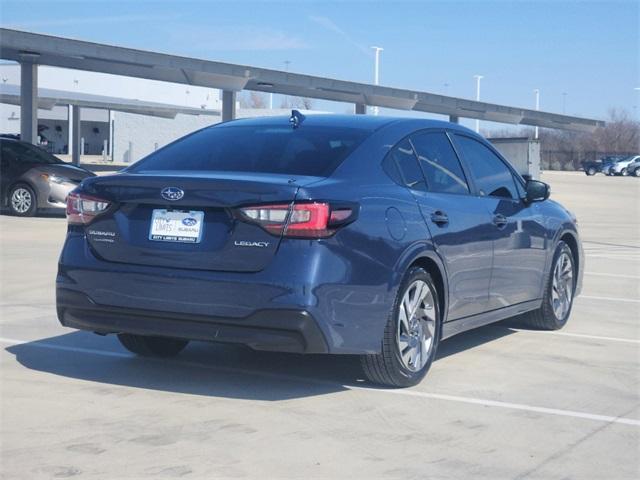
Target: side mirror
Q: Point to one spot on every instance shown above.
(537, 191)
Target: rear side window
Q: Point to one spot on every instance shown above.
(27, 153)
(401, 165)
(491, 175)
(308, 150)
(440, 163)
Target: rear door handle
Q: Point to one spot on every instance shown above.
(500, 221)
(439, 218)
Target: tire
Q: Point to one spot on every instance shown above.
(152, 346)
(624, 172)
(390, 367)
(22, 200)
(636, 172)
(547, 317)
(590, 171)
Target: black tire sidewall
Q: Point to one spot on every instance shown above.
(561, 248)
(409, 377)
(34, 201)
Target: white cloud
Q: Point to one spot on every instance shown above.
(328, 24)
(236, 38)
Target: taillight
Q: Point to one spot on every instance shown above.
(302, 220)
(82, 209)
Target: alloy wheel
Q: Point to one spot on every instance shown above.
(562, 286)
(21, 200)
(416, 326)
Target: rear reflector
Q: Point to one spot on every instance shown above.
(299, 220)
(82, 209)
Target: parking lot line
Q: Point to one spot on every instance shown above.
(415, 393)
(630, 256)
(615, 275)
(578, 335)
(511, 406)
(611, 299)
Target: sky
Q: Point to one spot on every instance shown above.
(583, 56)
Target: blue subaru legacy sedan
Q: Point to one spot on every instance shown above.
(362, 235)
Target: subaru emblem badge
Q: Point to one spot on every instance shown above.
(172, 193)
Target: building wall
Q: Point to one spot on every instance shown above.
(135, 136)
(522, 153)
(57, 127)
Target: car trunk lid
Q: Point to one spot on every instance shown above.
(208, 203)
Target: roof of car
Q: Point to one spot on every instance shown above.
(366, 122)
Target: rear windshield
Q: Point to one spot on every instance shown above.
(307, 150)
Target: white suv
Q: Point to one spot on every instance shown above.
(621, 167)
(634, 167)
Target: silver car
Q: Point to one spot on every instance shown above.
(634, 167)
(621, 167)
(33, 180)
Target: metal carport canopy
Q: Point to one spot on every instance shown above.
(76, 54)
(48, 98)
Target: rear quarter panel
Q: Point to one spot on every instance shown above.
(353, 282)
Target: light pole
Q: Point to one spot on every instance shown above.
(286, 69)
(478, 78)
(536, 92)
(376, 72)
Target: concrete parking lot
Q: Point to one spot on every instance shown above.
(500, 402)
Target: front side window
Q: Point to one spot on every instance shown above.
(491, 176)
(439, 163)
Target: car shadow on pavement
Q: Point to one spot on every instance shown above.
(476, 337)
(207, 369)
(5, 212)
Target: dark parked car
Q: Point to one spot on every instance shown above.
(33, 179)
(331, 234)
(600, 166)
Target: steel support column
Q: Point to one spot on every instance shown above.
(361, 109)
(76, 148)
(228, 105)
(29, 102)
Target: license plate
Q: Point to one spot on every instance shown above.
(176, 226)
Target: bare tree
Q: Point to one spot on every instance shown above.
(258, 100)
(253, 100)
(566, 150)
(297, 102)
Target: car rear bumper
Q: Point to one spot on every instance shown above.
(307, 283)
(271, 329)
